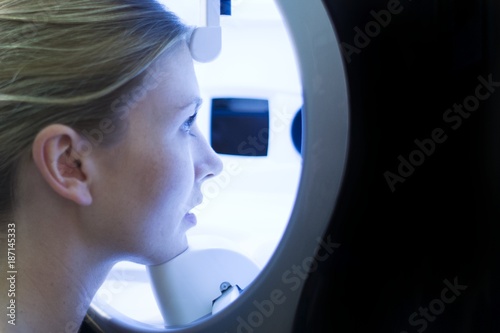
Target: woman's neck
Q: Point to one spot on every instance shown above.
(53, 279)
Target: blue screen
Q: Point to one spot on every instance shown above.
(240, 126)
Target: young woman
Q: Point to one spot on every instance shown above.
(100, 156)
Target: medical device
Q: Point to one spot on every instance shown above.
(206, 42)
(219, 288)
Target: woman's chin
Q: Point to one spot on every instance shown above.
(172, 253)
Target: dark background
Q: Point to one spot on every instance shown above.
(443, 222)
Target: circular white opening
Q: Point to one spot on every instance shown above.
(293, 64)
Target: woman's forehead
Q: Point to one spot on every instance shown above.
(174, 77)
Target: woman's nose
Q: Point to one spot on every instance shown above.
(208, 163)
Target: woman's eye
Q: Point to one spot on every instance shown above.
(189, 123)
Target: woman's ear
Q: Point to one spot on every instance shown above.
(56, 155)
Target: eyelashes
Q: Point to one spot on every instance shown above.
(189, 123)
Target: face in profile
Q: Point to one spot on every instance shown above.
(152, 177)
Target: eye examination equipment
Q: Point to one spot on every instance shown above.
(206, 42)
(186, 291)
(368, 199)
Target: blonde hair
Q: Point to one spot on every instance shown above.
(69, 62)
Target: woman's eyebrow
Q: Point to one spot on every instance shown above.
(197, 102)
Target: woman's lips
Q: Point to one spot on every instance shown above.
(190, 218)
